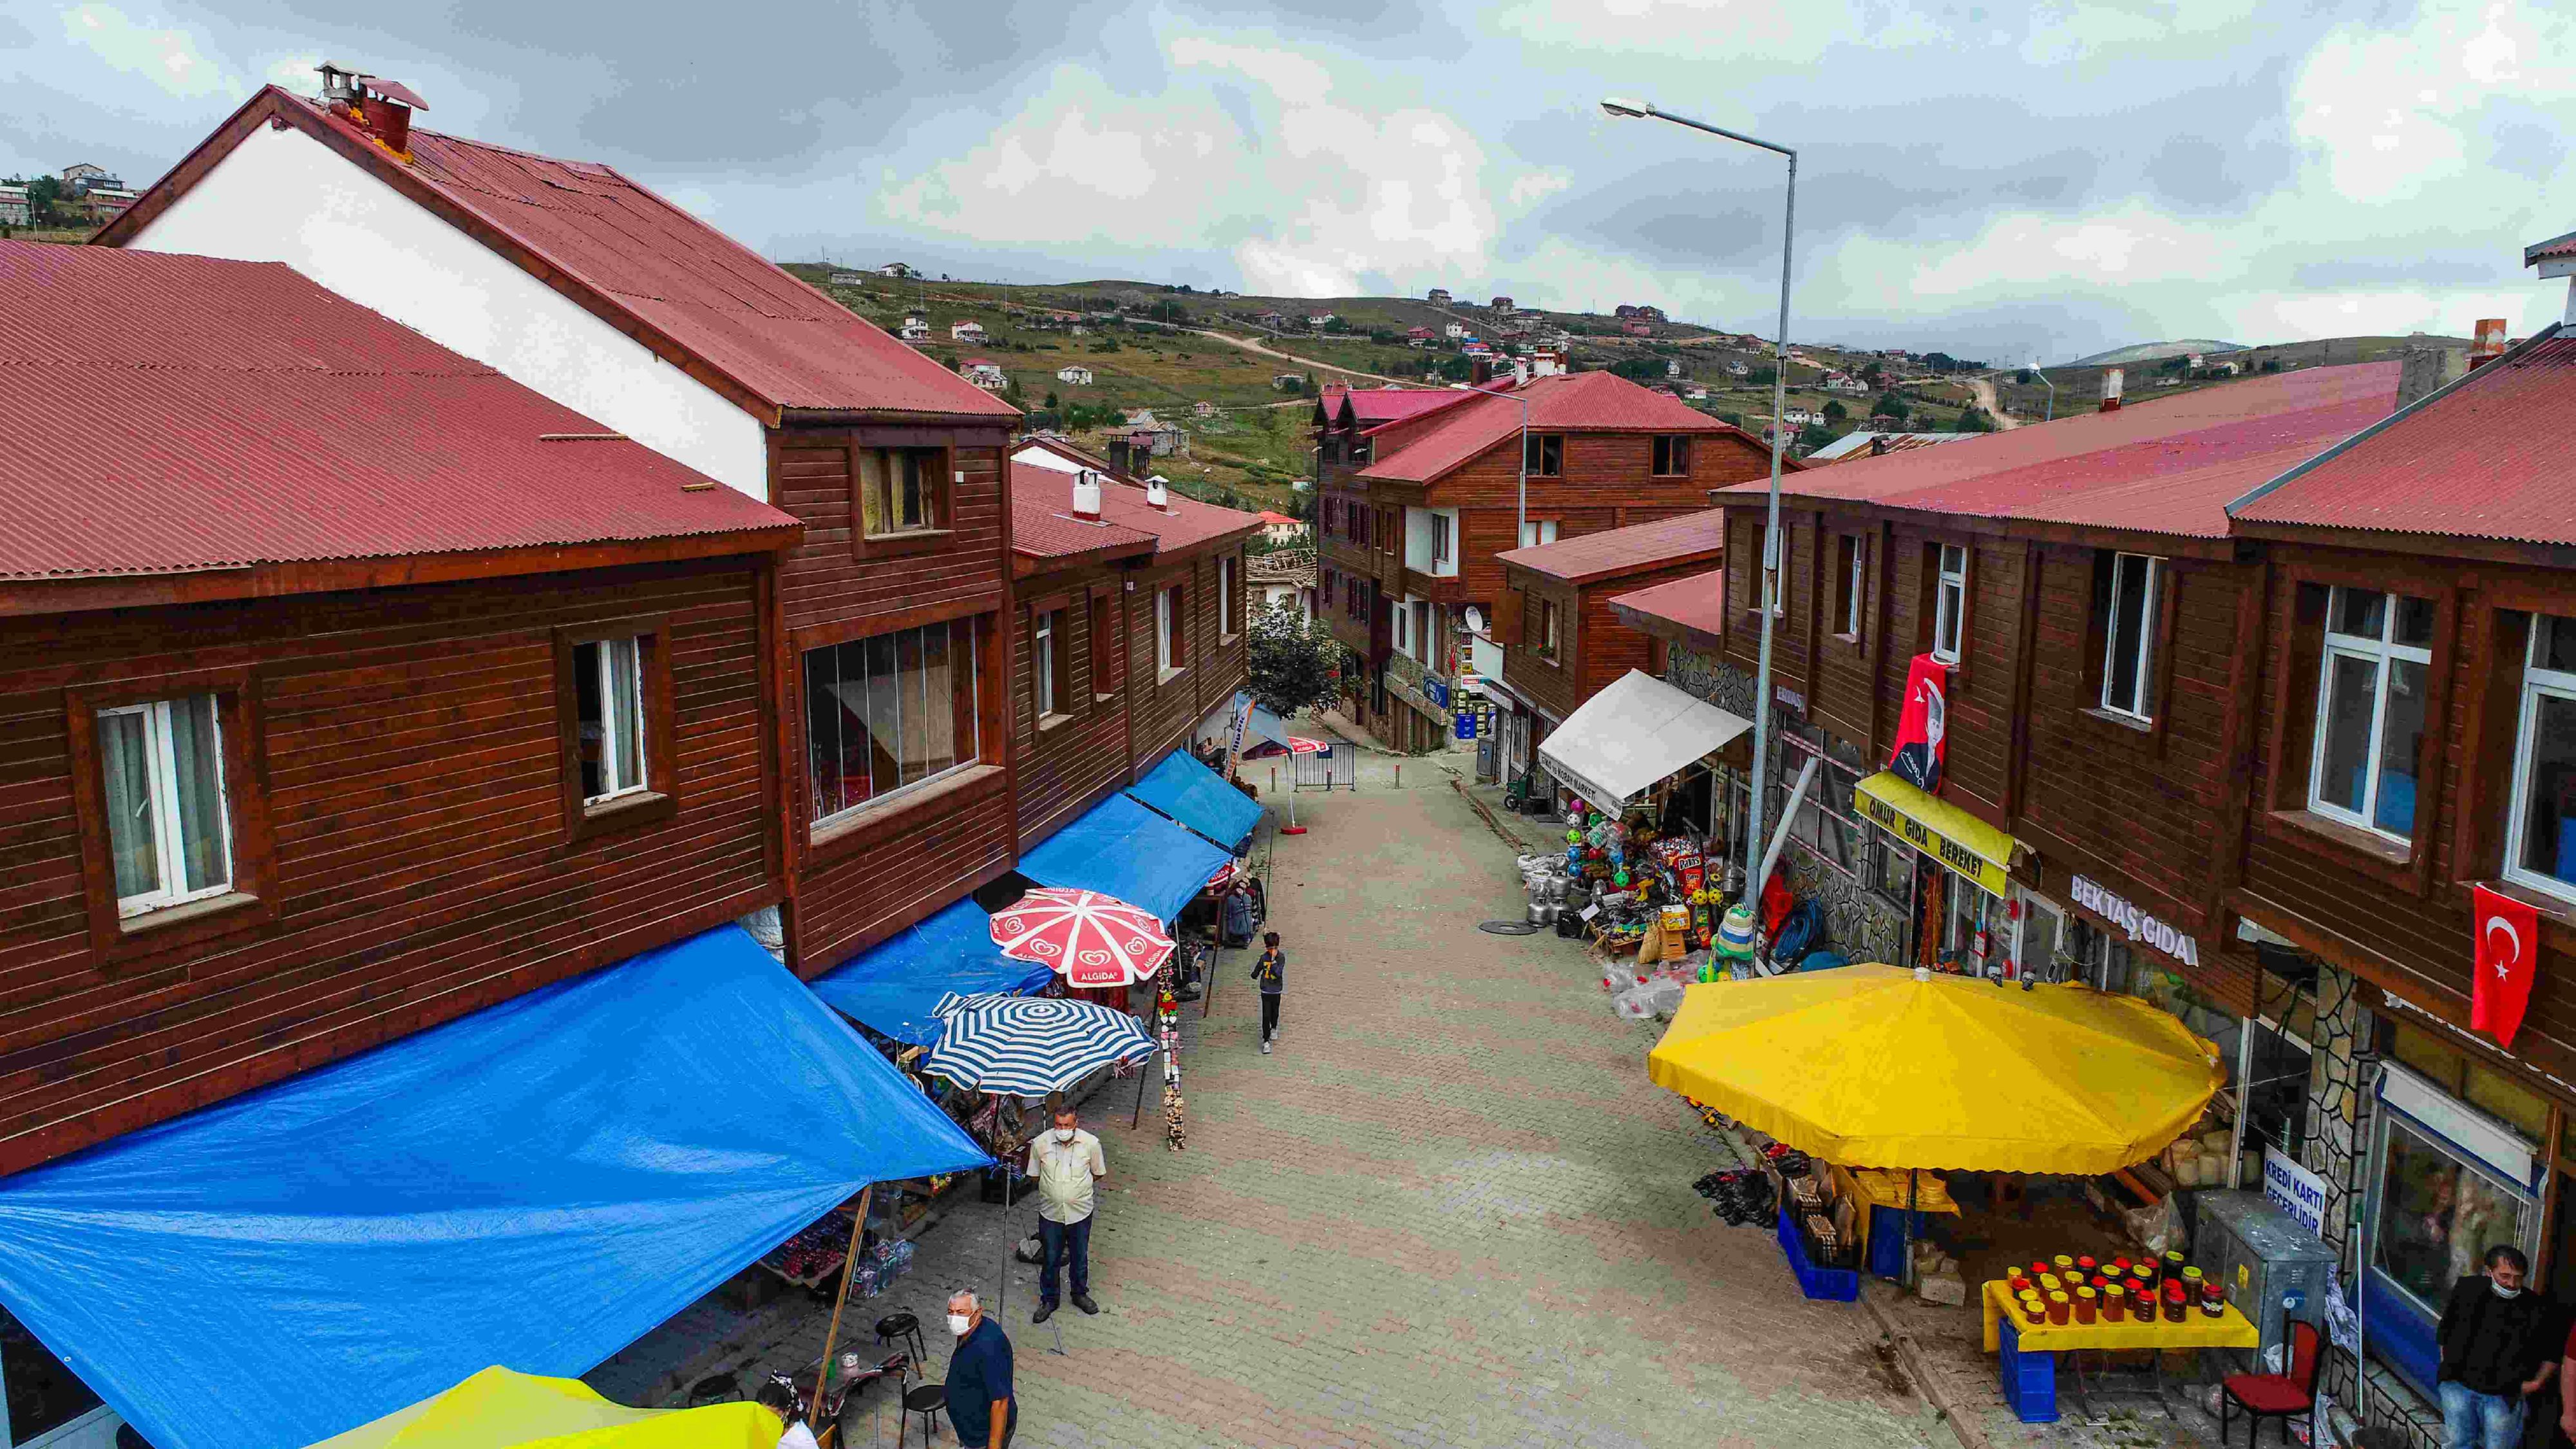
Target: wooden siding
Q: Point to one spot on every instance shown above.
(1065, 768)
(422, 868)
(1215, 667)
(1596, 647)
(1607, 484)
(928, 852)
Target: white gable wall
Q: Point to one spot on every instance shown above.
(281, 196)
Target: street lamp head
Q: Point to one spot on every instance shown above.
(1622, 106)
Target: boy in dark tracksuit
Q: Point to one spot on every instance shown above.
(1270, 973)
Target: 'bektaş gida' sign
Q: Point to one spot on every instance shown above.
(2140, 926)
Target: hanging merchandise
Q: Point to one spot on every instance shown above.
(1175, 1136)
(1736, 938)
(1170, 1012)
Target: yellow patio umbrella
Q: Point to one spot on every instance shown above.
(499, 1409)
(1877, 1066)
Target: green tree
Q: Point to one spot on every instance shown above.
(1812, 437)
(1640, 369)
(1296, 662)
(43, 194)
(1050, 401)
(1763, 376)
(1889, 405)
(1835, 412)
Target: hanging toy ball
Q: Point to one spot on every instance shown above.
(1707, 971)
(1620, 879)
(1573, 836)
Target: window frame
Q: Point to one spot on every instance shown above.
(1046, 658)
(1536, 449)
(658, 797)
(1539, 532)
(850, 824)
(1171, 629)
(161, 783)
(1853, 566)
(1549, 644)
(1108, 657)
(1442, 538)
(2559, 684)
(2142, 708)
(1671, 456)
(2383, 654)
(251, 901)
(1948, 617)
(941, 500)
(1228, 577)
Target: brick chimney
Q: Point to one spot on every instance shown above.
(2487, 343)
(2111, 380)
(1878, 445)
(1086, 496)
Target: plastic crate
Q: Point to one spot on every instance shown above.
(1831, 1285)
(2028, 1380)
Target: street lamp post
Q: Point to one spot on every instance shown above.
(1753, 838)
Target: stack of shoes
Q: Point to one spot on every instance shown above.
(1741, 1196)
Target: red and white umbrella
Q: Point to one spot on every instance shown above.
(1300, 745)
(1088, 938)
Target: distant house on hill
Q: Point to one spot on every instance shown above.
(1635, 328)
(915, 329)
(966, 332)
(1503, 306)
(15, 209)
(849, 279)
(1623, 311)
(1454, 331)
(1280, 528)
(1288, 381)
(1203, 409)
(1273, 320)
(1696, 392)
(1438, 297)
(897, 269)
(1739, 369)
(1844, 382)
(1672, 367)
(984, 373)
(1418, 336)
(1319, 319)
(1075, 373)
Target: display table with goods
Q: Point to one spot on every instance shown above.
(2065, 1306)
(1892, 1206)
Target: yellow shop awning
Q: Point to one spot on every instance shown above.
(1941, 830)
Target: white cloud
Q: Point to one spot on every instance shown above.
(168, 58)
(1537, 185)
(1344, 186)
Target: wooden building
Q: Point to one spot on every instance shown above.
(353, 688)
(1561, 641)
(1131, 616)
(1419, 494)
(691, 344)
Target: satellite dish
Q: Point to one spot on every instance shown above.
(1475, 620)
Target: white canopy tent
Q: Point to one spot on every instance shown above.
(1633, 734)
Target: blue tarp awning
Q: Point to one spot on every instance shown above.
(894, 985)
(535, 1185)
(1120, 848)
(1265, 734)
(1199, 798)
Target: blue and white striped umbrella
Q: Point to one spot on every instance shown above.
(1028, 1046)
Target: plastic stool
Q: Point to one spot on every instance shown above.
(903, 1330)
(926, 1400)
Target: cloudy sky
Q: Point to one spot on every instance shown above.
(2001, 180)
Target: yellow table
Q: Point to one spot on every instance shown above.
(2035, 1399)
(2230, 1329)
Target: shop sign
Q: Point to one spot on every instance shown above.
(1871, 796)
(2294, 1190)
(1793, 699)
(2142, 928)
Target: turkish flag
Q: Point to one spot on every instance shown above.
(2508, 951)
(1923, 726)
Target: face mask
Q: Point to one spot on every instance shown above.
(1064, 1135)
(2504, 1292)
(958, 1323)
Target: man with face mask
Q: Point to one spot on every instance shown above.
(1067, 1163)
(2495, 1353)
(980, 1408)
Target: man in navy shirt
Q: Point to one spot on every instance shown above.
(979, 1377)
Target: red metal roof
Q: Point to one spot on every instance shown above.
(1634, 549)
(2170, 466)
(2550, 250)
(1697, 603)
(622, 249)
(1596, 402)
(1039, 493)
(1371, 406)
(1043, 525)
(2489, 458)
(177, 413)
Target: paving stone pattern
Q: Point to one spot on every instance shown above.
(1450, 1210)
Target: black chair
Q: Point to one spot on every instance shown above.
(926, 1400)
(902, 1330)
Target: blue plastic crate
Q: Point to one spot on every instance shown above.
(2028, 1380)
(1831, 1285)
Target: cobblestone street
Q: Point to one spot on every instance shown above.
(1449, 1211)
